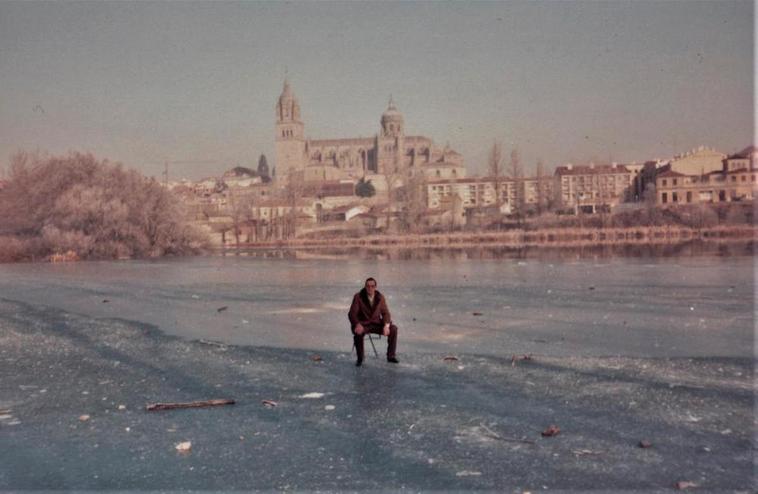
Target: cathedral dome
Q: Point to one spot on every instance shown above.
(392, 120)
(392, 114)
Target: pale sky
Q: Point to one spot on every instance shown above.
(144, 82)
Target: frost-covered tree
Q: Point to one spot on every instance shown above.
(95, 208)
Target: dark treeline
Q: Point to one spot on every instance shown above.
(89, 209)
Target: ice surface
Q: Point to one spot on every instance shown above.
(635, 307)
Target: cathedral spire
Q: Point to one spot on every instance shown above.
(287, 108)
(391, 104)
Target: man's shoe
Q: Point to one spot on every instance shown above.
(359, 362)
(393, 360)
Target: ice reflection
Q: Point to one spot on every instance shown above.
(693, 248)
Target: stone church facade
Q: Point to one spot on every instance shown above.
(389, 151)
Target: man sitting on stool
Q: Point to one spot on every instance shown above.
(369, 314)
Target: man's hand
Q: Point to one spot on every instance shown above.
(386, 331)
(359, 329)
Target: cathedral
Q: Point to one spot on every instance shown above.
(389, 151)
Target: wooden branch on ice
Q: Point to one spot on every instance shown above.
(193, 404)
(495, 435)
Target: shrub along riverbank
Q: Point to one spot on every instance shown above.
(83, 208)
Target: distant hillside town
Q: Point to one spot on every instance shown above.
(400, 183)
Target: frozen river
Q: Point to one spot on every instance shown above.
(655, 307)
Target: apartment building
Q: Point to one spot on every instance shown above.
(591, 188)
(473, 192)
(747, 159)
(720, 186)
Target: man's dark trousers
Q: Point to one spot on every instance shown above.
(376, 329)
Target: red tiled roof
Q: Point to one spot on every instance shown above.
(364, 215)
(418, 139)
(670, 173)
(435, 211)
(590, 170)
(330, 188)
(744, 154)
(473, 180)
(342, 209)
(740, 170)
(280, 203)
(451, 181)
(440, 163)
(360, 141)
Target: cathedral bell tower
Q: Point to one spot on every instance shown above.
(290, 140)
(391, 141)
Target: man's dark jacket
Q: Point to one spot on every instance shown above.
(361, 311)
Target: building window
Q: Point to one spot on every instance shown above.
(674, 197)
(663, 182)
(743, 178)
(664, 198)
(673, 182)
(722, 195)
(689, 196)
(734, 178)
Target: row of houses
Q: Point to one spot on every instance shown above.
(736, 180)
(577, 188)
(701, 175)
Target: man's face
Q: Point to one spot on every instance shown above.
(370, 287)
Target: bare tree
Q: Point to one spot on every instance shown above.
(240, 210)
(542, 199)
(393, 179)
(707, 216)
(415, 200)
(516, 171)
(249, 218)
(737, 214)
(514, 167)
(293, 191)
(494, 165)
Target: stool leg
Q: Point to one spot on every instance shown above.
(372, 345)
